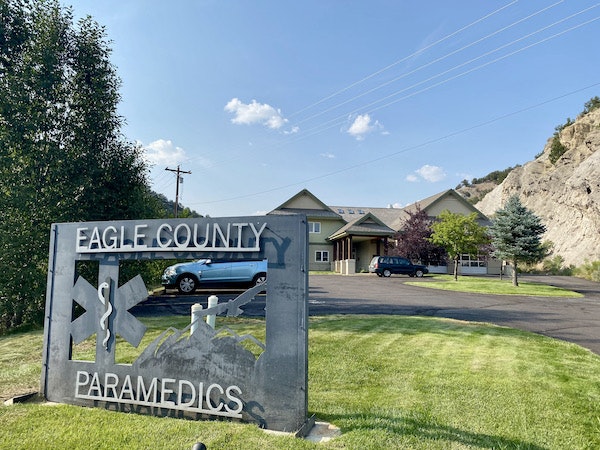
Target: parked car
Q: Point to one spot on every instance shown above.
(188, 276)
(387, 265)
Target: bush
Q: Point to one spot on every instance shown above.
(554, 266)
(589, 271)
(591, 105)
(557, 149)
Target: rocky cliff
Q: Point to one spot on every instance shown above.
(565, 195)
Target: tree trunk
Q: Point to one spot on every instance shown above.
(515, 282)
(456, 269)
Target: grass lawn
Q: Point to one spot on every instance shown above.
(493, 285)
(389, 382)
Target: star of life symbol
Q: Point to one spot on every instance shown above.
(108, 308)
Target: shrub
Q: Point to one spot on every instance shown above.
(591, 105)
(557, 149)
(589, 271)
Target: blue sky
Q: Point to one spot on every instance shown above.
(364, 103)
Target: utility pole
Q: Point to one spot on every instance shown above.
(178, 171)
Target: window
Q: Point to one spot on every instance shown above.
(472, 260)
(322, 256)
(314, 227)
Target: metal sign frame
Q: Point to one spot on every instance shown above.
(207, 374)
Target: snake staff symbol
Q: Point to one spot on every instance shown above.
(104, 297)
(108, 307)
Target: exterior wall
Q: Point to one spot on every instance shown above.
(364, 253)
(451, 204)
(317, 242)
(328, 227)
(494, 266)
(315, 265)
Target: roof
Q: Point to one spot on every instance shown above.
(304, 202)
(368, 221)
(429, 202)
(387, 215)
(365, 225)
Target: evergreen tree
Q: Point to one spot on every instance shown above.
(516, 235)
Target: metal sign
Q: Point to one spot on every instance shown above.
(204, 374)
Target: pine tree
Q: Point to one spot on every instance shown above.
(516, 235)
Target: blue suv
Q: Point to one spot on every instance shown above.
(186, 277)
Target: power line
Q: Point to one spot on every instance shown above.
(441, 58)
(339, 120)
(368, 77)
(342, 118)
(414, 147)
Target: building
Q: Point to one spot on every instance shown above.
(345, 238)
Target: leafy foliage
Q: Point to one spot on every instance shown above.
(591, 105)
(516, 235)
(62, 155)
(168, 206)
(589, 271)
(458, 234)
(557, 149)
(413, 241)
(497, 177)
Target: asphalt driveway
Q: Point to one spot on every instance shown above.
(574, 320)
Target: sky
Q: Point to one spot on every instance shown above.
(364, 103)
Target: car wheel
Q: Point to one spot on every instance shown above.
(419, 273)
(186, 284)
(259, 279)
(379, 274)
(387, 273)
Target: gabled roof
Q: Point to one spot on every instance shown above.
(366, 225)
(429, 202)
(365, 221)
(304, 202)
(387, 215)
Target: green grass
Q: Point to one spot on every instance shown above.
(488, 285)
(388, 381)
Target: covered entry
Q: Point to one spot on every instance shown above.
(356, 243)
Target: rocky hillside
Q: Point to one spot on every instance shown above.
(564, 194)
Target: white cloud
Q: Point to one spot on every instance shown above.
(361, 126)
(293, 130)
(256, 113)
(328, 155)
(163, 152)
(412, 178)
(431, 173)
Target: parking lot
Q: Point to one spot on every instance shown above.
(574, 320)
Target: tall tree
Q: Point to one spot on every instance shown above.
(459, 234)
(413, 240)
(517, 235)
(62, 155)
